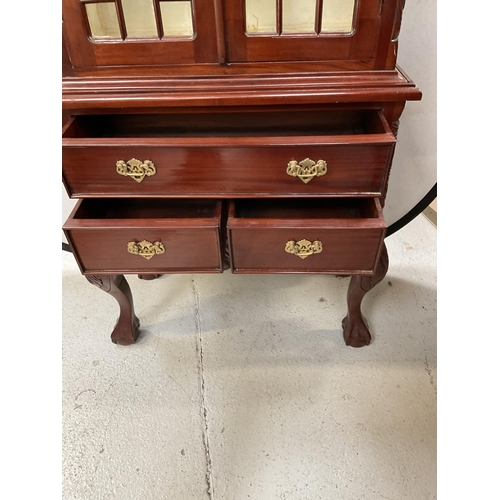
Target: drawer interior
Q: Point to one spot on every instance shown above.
(234, 124)
(307, 208)
(142, 208)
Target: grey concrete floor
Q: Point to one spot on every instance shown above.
(240, 386)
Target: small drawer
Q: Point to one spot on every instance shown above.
(273, 154)
(146, 236)
(329, 235)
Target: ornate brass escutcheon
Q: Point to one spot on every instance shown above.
(303, 248)
(136, 169)
(306, 169)
(145, 248)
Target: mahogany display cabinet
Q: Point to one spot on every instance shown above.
(250, 136)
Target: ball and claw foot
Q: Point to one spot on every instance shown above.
(126, 334)
(356, 333)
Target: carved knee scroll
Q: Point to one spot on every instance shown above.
(126, 330)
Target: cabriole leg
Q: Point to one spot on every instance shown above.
(356, 333)
(126, 329)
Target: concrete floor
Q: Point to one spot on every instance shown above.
(240, 387)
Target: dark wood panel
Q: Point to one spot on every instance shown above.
(220, 38)
(319, 213)
(359, 46)
(99, 231)
(103, 250)
(263, 123)
(84, 52)
(345, 251)
(254, 85)
(353, 169)
(351, 233)
(163, 213)
(228, 154)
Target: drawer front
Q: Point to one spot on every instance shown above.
(227, 170)
(146, 235)
(336, 235)
(103, 250)
(343, 251)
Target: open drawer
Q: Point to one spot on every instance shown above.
(266, 154)
(325, 235)
(146, 236)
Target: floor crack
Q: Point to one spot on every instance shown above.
(431, 376)
(204, 412)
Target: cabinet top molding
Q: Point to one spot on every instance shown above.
(157, 92)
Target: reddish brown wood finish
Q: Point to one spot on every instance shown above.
(100, 244)
(105, 251)
(266, 84)
(230, 163)
(220, 37)
(84, 52)
(353, 170)
(351, 241)
(222, 115)
(126, 330)
(360, 46)
(396, 27)
(356, 333)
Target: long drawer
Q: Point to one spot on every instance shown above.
(228, 155)
(146, 236)
(331, 236)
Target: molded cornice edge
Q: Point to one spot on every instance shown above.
(305, 88)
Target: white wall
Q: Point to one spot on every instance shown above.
(414, 168)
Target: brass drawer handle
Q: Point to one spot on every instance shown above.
(306, 169)
(145, 248)
(303, 248)
(136, 169)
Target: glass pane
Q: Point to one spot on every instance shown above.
(299, 16)
(139, 18)
(337, 15)
(261, 16)
(103, 20)
(177, 18)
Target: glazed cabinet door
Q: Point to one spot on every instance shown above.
(139, 32)
(355, 34)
